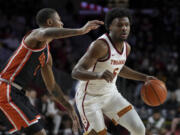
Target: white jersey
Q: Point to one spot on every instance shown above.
(114, 63)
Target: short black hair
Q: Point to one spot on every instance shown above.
(116, 13)
(43, 15)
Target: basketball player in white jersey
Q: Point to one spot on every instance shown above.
(98, 70)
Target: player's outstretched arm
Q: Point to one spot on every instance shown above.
(55, 90)
(97, 50)
(51, 33)
(129, 73)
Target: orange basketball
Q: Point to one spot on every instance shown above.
(154, 92)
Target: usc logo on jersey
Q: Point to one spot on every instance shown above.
(117, 62)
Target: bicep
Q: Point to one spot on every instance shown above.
(96, 51)
(86, 62)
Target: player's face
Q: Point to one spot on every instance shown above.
(57, 21)
(120, 28)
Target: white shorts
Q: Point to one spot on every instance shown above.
(92, 108)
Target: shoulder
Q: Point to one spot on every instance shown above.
(128, 48)
(101, 44)
(38, 35)
(33, 39)
(31, 35)
(99, 48)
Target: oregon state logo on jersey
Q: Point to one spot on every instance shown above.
(42, 60)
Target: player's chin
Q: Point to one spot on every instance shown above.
(123, 37)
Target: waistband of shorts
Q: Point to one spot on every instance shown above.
(17, 86)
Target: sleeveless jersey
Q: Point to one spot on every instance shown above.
(114, 63)
(24, 64)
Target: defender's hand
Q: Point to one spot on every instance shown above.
(106, 75)
(75, 121)
(91, 25)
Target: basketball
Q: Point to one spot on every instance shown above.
(154, 92)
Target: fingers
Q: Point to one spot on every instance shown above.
(150, 78)
(97, 22)
(75, 126)
(108, 76)
(76, 123)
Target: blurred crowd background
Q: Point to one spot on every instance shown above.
(154, 39)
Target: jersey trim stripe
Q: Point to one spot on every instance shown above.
(9, 118)
(115, 45)
(9, 111)
(16, 63)
(124, 110)
(26, 46)
(21, 65)
(16, 117)
(109, 51)
(11, 59)
(126, 50)
(33, 50)
(86, 127)
(28, 122)
(13, 105)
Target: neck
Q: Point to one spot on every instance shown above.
(116, 42)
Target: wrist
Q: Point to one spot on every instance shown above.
(97, 76)
(144, 78)
(81, 31)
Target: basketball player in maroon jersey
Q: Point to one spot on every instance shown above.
(98, 70)
(33, 55)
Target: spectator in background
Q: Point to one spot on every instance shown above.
(32, 95)
(12, 42)
(3, 130)
(171, 105)
(50, 114)
(155, 123)
(175, 122)
(177, 91)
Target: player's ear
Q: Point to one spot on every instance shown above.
(49, 22)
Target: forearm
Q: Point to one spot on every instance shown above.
(59, 96)
(84, 75)
(128, 73)
(56, 33)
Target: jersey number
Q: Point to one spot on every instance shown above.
(115, 71)
(41, 58)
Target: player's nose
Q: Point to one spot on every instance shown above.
(124, 28)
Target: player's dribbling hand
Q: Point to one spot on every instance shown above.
(75, 121)
(150, 78)
(91, 25)
(106, 75)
